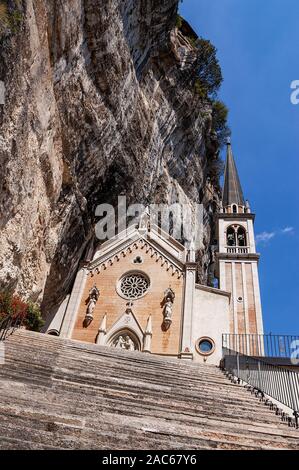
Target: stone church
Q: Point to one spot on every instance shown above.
(140, 292)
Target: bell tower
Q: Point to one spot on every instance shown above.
(237, 259)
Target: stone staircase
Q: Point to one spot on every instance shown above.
(63, 394)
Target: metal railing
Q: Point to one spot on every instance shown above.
(283, 346)
(9, 324)
(278, 383)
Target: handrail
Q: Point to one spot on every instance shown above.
(282, 346)
(279, 383)
(9, 324)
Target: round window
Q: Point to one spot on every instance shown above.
(133, 285)
(205, 346)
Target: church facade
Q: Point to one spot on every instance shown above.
(139, 291)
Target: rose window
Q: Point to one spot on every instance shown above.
(134, 285)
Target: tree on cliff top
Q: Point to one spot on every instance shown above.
(208, 69)
(219, 119)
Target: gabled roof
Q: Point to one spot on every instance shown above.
(160, 244)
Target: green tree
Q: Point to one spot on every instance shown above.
(10, 16)
(208, 69)
(4, 16)
(219, 121)
(179, 21)
(29, 312)
(33, 319)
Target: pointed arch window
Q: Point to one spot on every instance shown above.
(236, 236)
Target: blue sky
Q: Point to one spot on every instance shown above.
(258, 49)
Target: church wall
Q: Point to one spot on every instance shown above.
(257, 298)
(55, 324)
(241, 279)
(228, 286)
(251, 300)
(240, 299)
(163, 342)
(210, 319)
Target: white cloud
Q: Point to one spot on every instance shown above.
(265, 237)
(288, 230)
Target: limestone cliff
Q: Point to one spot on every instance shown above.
(100, 101)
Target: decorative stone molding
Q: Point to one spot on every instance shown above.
(191, 253)
(186, 354)
(71, 312)
(127, 324)
(205, 351)
(175, 267)
(189, 289)
(147, 343)
(102, 331)
(144, 222)
(133, 285)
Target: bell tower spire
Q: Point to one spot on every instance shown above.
(237, 259)
(232, 195)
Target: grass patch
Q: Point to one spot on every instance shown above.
(10, 18)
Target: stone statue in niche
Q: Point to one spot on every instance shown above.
(169, 296)
(168, 310)
(94, 294)
(124, 342)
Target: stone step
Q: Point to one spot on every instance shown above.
(248, 402)
(69, 395)
(137, 406)
(64, 435)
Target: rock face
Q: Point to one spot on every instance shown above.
(63, 394)
(99, 102)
